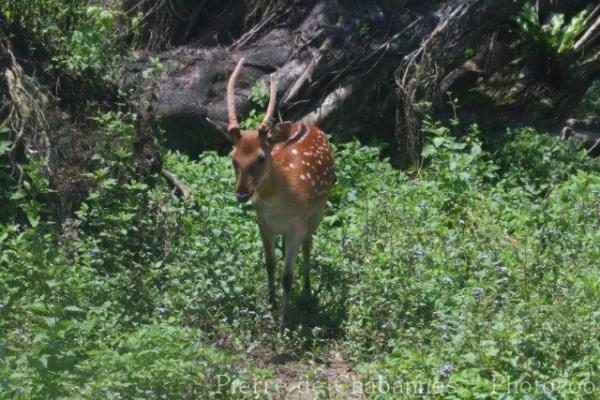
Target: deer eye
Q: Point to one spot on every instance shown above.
(261, 159)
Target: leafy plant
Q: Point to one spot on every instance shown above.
(477, 278)
(590, 104)
(83, 38)
(556, 36)
(259, 96)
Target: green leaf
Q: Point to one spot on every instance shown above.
(438, 141)
(34, 220)
(5, 146)
(428, 151)
(464, 176)
(470, 358)
(18, 195)
(74, 309)
(37, 307)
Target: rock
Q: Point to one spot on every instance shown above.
(345, 94)
(586, 129)
(365, 69)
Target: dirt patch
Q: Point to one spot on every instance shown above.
(293, 377)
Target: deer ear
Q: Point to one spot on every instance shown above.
(280, 132)
(234, 134)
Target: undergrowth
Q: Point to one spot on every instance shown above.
(478, 278)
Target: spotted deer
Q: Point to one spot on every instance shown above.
(286, 172)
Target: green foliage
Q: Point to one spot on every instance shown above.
(89, 318)
(455, 162)
(259, 96)
(474, 288)
(537, 162)
(25, 201)
(477, 278)
(6, 180)
(155, 69)
(83, 38)
(554, 37)
(590, 104)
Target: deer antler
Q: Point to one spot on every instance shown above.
(264, 126)
(233, 122)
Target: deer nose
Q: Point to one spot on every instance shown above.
(243, 195)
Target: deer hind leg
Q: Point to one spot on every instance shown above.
(313, 222)
(268, 239)
(292, 246)
(306, 249)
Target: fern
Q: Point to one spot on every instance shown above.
(570, 33)
(556, 36)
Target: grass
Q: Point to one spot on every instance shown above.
(478, 279)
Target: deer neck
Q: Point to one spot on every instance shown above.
(268, 186)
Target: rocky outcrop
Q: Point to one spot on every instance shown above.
(367, 68)
(584, 129)
(334, 65)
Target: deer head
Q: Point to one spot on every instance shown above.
(252, 148)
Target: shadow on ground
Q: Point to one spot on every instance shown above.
(326, 309)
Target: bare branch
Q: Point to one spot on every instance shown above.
(588, 37)
(180, 187)
(306, 75)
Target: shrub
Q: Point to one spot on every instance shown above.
(554, 37)
(475, 278)
(85, 40)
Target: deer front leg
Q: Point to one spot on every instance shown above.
(268, 239)
(292, 246)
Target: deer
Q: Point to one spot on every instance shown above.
(286, 172)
